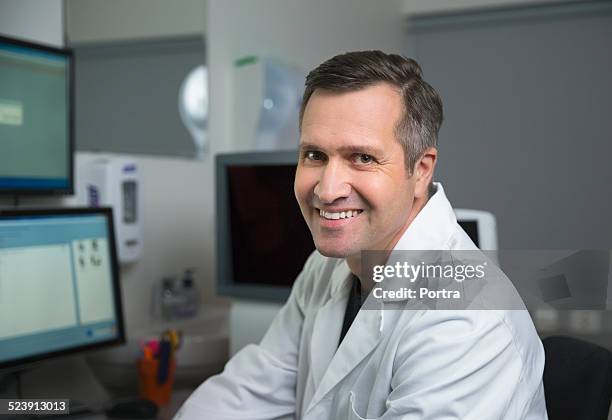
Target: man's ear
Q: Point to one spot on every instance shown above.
(423, 172)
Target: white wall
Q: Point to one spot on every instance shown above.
(114, 20)
(33, 20)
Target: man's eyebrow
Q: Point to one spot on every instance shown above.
(308, 146)
(352, 148)
(365, 149)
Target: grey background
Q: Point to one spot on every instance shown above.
(127, 96)
(528, 118)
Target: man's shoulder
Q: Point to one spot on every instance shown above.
(474, 328)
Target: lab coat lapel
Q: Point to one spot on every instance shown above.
(328, 323)
(360, 340)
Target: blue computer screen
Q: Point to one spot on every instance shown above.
(35, 121)
(57, 288)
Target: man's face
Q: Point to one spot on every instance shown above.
(351, 183)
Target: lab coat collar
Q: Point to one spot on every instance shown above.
(430, 231)
(432, 227)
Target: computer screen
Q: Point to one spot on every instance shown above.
(59, 284)
(471, 228)
(36, 136)
(262, 239)
(271, 240)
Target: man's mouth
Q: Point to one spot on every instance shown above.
(337, 215)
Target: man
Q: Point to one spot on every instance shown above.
(368, 135)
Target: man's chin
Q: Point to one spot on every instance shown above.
(335, 251)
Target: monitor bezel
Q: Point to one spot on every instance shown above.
(69, 189)
(226, 286)
(107, 212)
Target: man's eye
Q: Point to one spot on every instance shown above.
(314, 155)
(364, 159)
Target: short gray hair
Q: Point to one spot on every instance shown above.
(418, 129)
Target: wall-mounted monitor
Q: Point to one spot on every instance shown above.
(59, 284)
(36, 108)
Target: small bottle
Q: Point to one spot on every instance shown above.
(168, 298)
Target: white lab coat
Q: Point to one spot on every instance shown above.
(391, 364)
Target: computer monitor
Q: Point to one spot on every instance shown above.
(480, 226)
(36, 125)
(262, 238)
(59, 284)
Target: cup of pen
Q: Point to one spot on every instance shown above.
(156, 367)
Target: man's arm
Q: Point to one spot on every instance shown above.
(467, 365)
(259, 382)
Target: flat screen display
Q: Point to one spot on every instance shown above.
(59, 286)
(270, 238)
(471, 228)
(35, 119)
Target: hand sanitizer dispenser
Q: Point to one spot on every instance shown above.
(116, 182)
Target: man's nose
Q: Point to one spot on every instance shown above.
(333, 183)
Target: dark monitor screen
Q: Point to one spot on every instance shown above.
(36, 143)
(471, 228)
(59, 284)
(262, 239)
(271, 240)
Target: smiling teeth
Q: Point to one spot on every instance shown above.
(340, 215)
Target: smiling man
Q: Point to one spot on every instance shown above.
(352, 162)
(368, 150)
